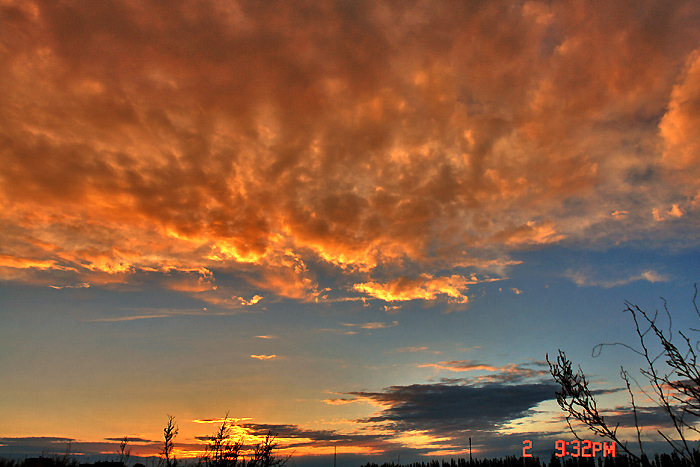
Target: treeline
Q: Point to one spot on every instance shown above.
(659, 460)
(59, 461)
(662, 460)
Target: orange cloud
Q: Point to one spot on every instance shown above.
(460, 365)
(264, 357)
(129, 148)
(252, 301)
(221, 420)
(24, 263)
(425, 287)
(340, 401)
(531, 233)
(681, 123)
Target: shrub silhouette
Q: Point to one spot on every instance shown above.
(222, 452)
(263, 453)
(66, 459)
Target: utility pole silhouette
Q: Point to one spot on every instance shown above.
(470, 451)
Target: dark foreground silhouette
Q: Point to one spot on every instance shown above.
(662, 460)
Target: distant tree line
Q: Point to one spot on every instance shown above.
(659, 460)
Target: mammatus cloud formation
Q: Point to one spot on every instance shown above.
(393, 142)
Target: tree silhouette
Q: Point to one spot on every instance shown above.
(263, 453)
(675, 388)
(124, 453)
(169, 433)
(221, 452)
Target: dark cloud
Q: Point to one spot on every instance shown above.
(296, 437)
(291, 438)
(21, 447)
(451, 412)
(48, 446)
(132, 440)
(650, 417)
(445, 415)
(44, 440)
(447, 408)
(32, 446)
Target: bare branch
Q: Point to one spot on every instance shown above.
(625, 376)
(169, 433)
(676, 392)
(576, 400)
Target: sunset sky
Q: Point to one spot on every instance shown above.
(362, 224)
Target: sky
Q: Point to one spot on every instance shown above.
(361, 224)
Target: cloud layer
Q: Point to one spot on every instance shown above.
(395, 142)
